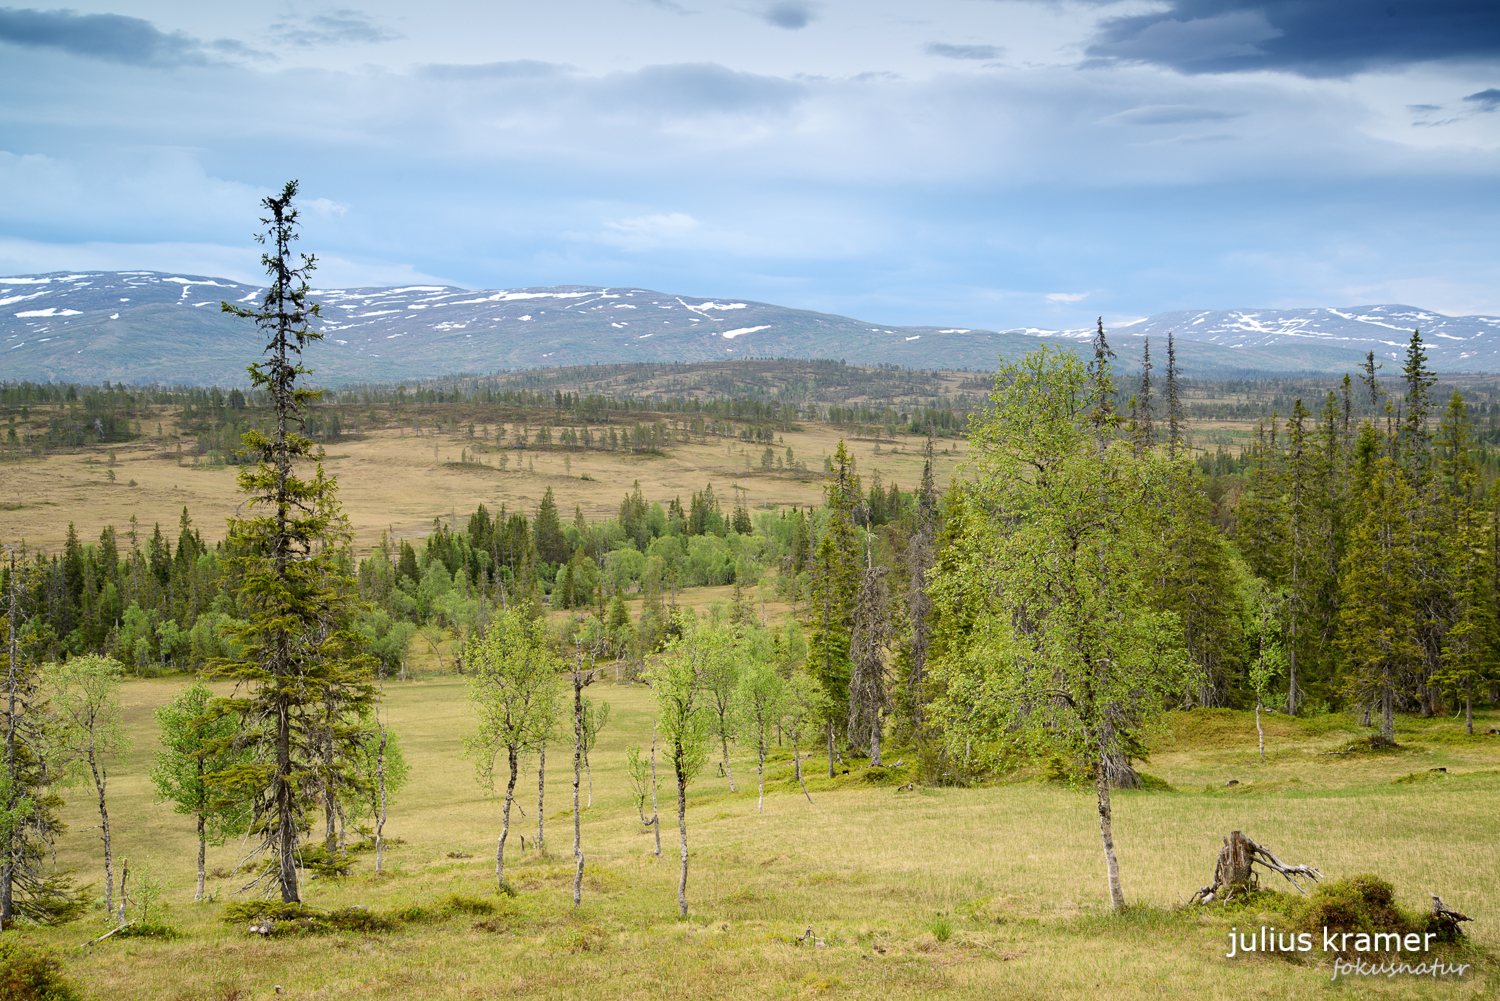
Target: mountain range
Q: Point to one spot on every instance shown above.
(148, 326)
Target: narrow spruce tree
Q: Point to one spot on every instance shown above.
(309, 689)
(1176, 416)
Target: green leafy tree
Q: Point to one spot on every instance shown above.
(683, 715)
(804, 707)
(762, 700)
(84, 702)
(188, 728)
(514, 691)
(1067, 652)
(309, 687)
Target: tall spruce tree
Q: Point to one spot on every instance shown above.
(297, 594)
(1176, 415)
(835, 582)
(1377, 613)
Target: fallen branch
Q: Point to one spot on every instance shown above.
(107, 934)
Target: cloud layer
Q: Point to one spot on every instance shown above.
(984, 165)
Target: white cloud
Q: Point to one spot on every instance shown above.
(1067, 296)
(649, 231)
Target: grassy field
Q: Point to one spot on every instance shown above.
(396, 481)
(992, 892)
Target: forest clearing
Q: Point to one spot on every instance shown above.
(920, 653)
(991, 891)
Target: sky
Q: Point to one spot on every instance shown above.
(979, 163)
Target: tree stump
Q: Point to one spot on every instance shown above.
(1234, 872)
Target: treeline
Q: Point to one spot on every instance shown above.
(167, 601)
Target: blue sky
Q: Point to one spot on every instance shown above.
(983, 163)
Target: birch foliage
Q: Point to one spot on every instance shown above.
(1066, 652)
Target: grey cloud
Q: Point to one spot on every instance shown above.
(1486, 100)
(517, 69)
(111, 37)
(1423, 108)
(979, 52)
(1168, 114)
(1313, 38)
(697, 89)
(337, 27)
(790, 14)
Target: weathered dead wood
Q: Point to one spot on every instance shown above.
(116, 928)
(1447, 917)
(1234, 873)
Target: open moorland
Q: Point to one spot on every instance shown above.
(398, 481)
(991, 891)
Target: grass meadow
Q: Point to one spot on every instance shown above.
(395, 481)
(966, 893)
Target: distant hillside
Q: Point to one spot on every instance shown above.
(144, 326)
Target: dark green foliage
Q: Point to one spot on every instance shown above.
(29, 974)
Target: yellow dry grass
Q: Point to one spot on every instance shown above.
(390, 480)
(993, 892)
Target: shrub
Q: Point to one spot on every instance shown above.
(360, 919)
(27, 974)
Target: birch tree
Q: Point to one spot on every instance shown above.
(514, 692)
(683, 714)
(85, 704)
(762, 699)
(1053, 561)
(188, 728)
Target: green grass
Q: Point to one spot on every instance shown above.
(987, 892)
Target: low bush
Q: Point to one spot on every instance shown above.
(28, 974)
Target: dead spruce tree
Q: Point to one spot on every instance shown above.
(872, 633)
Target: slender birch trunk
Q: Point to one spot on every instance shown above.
(760, 768)
(1261, 733)
(577, 776)
(682, 832)
(380, 820)
(797, 764)
(202, 857)
(541, 794)
(655, 811)
(202, 838)
(101, 779)
(724, 739)
(510, 797)
(1116, 895)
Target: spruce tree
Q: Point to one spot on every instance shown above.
(1176, 418)
(836, 574)
(1377, 613)
(309, 688)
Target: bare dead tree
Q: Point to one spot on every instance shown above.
(872, 633)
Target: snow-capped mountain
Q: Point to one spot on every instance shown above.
(143, 326)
